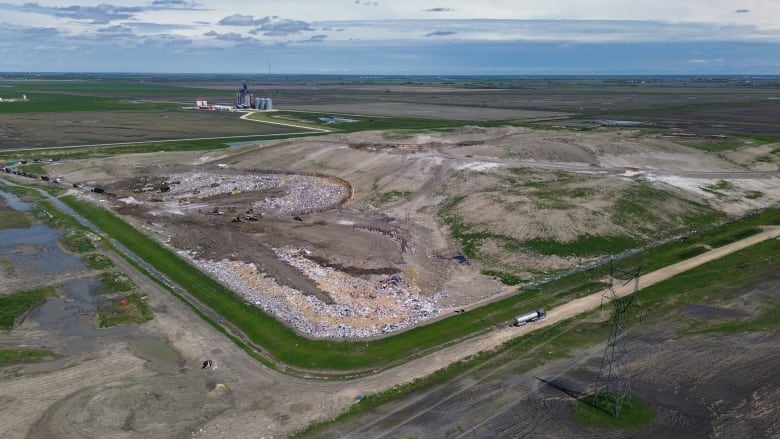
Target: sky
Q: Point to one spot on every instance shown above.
(398, 37)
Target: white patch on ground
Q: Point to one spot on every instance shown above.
(130, 200)
(733, 200)
(345, 223)
(479, 166)
(693, 185)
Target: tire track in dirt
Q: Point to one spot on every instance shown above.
(29, 397)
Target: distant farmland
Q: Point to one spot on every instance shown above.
(43, 130)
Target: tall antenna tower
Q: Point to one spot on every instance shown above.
(613, 388)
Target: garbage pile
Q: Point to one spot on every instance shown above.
(362, 307)
(300, 192)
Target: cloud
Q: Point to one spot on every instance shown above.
(116, 29)
(170, 41)
(559, 31)
(100, 14)
(742, 11)
(230, 36)
(358, 2)
(174, 4)
(704, 61)
(35, 32)
(243, 20)
(283, 28)
(315, 39)
(159, 27)
(438, 10)
(440, 33)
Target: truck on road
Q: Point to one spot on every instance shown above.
(530, 317)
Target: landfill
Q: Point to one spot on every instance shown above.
(363, 307)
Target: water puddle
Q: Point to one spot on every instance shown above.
(162, 358)
(457, 258)
(73, 317)
(15, 202)
(34, 251)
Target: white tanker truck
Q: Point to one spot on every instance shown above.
(530, 317)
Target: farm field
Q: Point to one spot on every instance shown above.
(410, 237)
(47, 130)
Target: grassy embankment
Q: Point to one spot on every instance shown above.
(297, 351)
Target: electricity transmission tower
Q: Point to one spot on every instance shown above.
(613, 388)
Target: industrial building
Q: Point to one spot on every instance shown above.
(245, 100)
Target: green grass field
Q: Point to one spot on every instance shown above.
(108, 95)
(40, 102)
